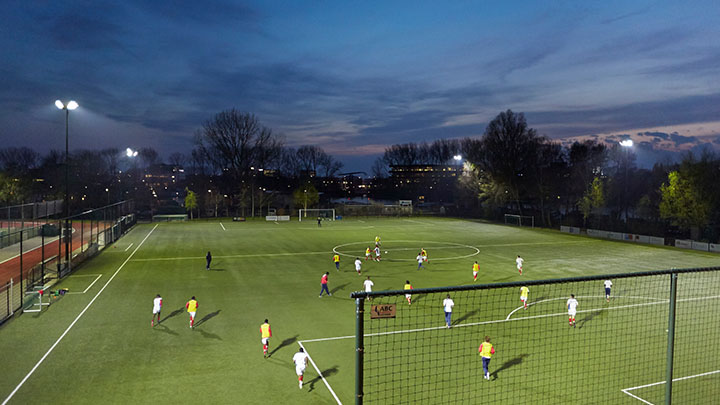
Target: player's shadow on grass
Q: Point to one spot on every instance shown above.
(207, 317)
(338, 288)
(165, 329)
(216, 269)
(208, 335)
(326, 373)
(588, 318)
(173, 313)
(512, 362)
(284, 343)
(466, 316)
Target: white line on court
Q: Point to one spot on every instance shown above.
(42, 359)
(91, 284)
(586, 296)
(395, 332)
(128, 248)
(230, 256)
(625, 390)
(30, 250)
(320, 374)
(223, 226)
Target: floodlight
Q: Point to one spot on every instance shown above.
(626, 142)
(59, 104)
(457, 157)
(72, 105)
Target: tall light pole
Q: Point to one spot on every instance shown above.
(71, 105)
(626, 144)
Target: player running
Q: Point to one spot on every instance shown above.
(323, 284)
(423, 253)
(192, 307)
(408, 286)
(336, 259)
(572, 309)
(208, 259)
(301, 360)
(368, 284)
(420, 260)
(157, 307)
(266, 334)
(519, 261)
(486, 350)
(524, 295)
(358, 265)
(608, 285)
(476, 270)
(377, 241)
(377, 253)
(368, 253)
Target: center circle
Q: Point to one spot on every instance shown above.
(428, 245)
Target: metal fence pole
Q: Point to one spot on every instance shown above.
(359, 349)
(42, 254)
(21, 269)
(671, 339)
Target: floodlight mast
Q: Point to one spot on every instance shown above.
(71, 105)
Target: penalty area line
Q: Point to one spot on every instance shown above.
(91, 284)
(320, 374)
(223, 226)
(42, 359)
(626, 390)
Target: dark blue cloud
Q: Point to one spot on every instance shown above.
(680, 139)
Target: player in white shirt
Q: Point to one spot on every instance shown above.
(377, 253)
(608, 284)
(358, 265)
(448, 305)
(368, 284)
(300, 359)
(519, 261)
(157, 307)
(572, 309)
(420, 259)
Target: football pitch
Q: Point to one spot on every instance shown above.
(97, 345)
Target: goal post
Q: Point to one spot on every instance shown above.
(314, 213)
(406, 352)
(520, 220)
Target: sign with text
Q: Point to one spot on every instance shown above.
(382, 311)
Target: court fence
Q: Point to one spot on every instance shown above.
(652, 337)
(37, 256)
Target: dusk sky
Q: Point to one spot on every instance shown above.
(354, 77)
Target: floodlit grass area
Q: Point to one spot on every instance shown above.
(111, 354)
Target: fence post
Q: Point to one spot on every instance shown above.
(42, 254)
(82, 231)
(12, 311)
(21, 269)
(359, 349)
(671, 339)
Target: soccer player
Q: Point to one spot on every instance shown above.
(519, 261)
(358, 265)
(377, 253)
(448, 305)
(208, 259)
(486, 350)
(368, 284)
(476, 270)
(300, 359)
(423, 253)
(157, 307)
(192, 307)
(323, 283)
(368, 252)
(523, 295)
(572, 309)
(420, 260)
(319, 222)
(377, 241)
(408, 286)
(336, 259)
(608, 285)
(266, 334)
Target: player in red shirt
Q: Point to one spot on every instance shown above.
(323, 283)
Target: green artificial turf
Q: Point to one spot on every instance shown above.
(272, 270)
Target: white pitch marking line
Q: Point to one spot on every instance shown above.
(91, 284)
(28, 251)
(128, 248)
(587, 296)
(230, 256)
(504, 320)
(42, 359)
(223, 226)
(625, 390)
(320, 374)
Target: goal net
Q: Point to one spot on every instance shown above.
(315, 213)
(520, 220)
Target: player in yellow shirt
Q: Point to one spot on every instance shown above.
(476, 270)
(368, 253)
(192, 307)
(423, 253)
(486, 351)
(336, 259)
(377, 241)
(523, 295)
(266, 334)
(408, 297)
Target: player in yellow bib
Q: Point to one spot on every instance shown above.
(192, 307)
(476, 270)
(408, 287)
(336, 259)
(524, 295)
(266, 334)
(486, 351)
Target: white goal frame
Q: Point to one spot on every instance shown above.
(520, 220)
(314, 213)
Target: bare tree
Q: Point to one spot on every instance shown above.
(379, 169)
(18, 160)
(177, 159)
